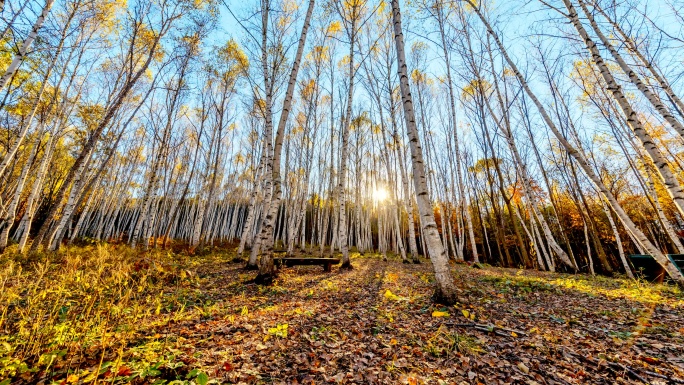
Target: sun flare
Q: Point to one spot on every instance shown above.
(380, 194)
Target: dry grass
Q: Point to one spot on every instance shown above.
(77, 313)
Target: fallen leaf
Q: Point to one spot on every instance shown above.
(650, 360)
(279, 330)
(124, 371)
(391, 296)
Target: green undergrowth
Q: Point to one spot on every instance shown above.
(83, 314)
(633, 289)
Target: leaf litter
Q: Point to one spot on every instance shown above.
(376, 324)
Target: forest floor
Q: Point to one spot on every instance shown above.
(109, 315)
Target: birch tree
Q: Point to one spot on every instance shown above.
(446, 290)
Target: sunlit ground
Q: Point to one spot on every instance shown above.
(114, 315)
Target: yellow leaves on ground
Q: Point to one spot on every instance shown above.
(279, 331)
(244, 311)
(391, 296)
(468, 315)
(391, 277)
(438, 313)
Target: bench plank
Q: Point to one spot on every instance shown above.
(325, 262)
(678, 260)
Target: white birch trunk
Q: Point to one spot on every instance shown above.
(463, 204)
(25, 223)
(618, 240)
(266, 236)
(633, 77)
(446, 290)
(669, 179)
(8, 219)
(632, 46)
(21, 55)
(661, 215)
(641, 238)
(55, 238)
(586, 241)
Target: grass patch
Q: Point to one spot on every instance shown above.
(74, 314)
(444, 343)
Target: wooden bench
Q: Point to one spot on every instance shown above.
(647, 267)
(677, 260)
(289, 262)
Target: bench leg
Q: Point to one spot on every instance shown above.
(327, 267)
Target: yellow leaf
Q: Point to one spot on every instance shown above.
(89, 378)
(438, 313)
(393, 341)
(466, 313)
(514, 334)
(244, 311)
(389, 295)
(279, 330)
(334, 28)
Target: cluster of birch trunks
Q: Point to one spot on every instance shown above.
(323, 127)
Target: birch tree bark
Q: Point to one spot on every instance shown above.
(25, 223)
(10, 212)
(634, 77)
(21, 55)
(633, 47)
(110, 113)
(463, 204)
(266, 267)
(9, 155)
(664, 170)
(446, 290)
(671, 269)
(618, 240)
